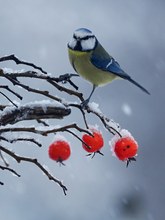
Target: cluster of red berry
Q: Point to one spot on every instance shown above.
(123, 146)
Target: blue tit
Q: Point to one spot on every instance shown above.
(91, 61)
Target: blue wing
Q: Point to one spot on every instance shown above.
(102, 60)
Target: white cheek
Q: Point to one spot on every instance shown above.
(88, 44)
(72, 43)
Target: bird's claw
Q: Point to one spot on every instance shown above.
(84, 104)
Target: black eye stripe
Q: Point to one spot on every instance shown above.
(87, 37)
(83, 38)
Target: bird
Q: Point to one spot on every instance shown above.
(91, 61)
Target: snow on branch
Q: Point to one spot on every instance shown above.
(33, 111)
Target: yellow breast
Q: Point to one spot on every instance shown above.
(83, 66)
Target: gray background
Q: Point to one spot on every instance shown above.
(102, 188)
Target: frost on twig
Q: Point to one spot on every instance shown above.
(54, 107)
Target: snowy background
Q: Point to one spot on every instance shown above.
(102, 188)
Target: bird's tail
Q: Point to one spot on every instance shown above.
(138, 85)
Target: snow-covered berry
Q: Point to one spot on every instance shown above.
(124, 147)
(93, 142)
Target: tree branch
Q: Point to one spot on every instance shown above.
(35, 162)
(3, 159)
(43, 132)
(12, 115)
(12, 76)
(11, 170)
(32, 140)
(18, 61)
(7, 88)
(110, 125)
(8, 99)
(37, 91)
(41, 110)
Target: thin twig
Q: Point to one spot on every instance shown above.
(8, 99)
(84, 117)
(49, 78)
(7, 88)
(37, 91)
(3, 159)
(21, 139)
(18, 61)
(102, 117)
(72, 133)
(33, 74)
(44, 132)
(11, 170)
(68, 91)
(67, 78)
(26, 139)
(35, 162)
(64, 128)
(40, 121)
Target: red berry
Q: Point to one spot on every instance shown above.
(59, 150)
(94, 143)
(125, 148)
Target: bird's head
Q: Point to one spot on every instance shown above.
(83, 40)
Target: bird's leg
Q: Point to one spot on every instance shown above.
(85, 102)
